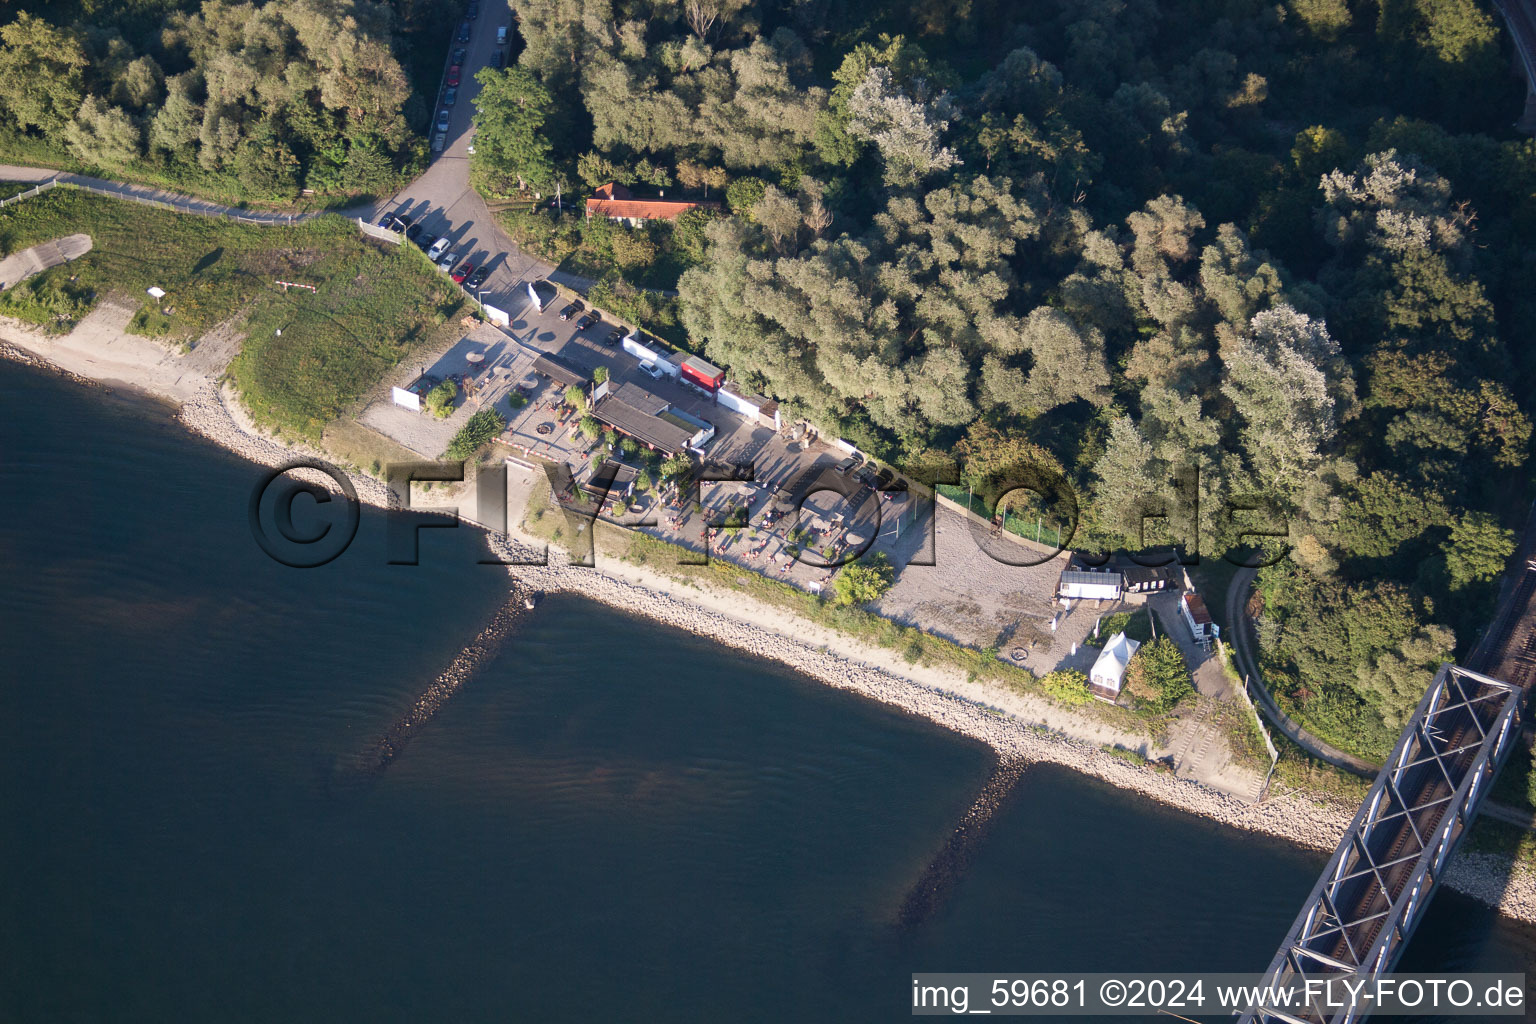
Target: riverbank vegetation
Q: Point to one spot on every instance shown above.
(307, 356)
(1262, 279)
(237, 102)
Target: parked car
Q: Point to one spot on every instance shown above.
(453, 74)
(426, 242)
(614, 337)
(866, 475)
(442, 120)
(474, 10)
(465, 269)
(450, 96)
(447, 260)
(387, 220)
(571, 310)
(586, 321)
(413, 232)
(652, 369)
(464, 32)
(458, 56)
(439, 142)
(439, 247)
(848, 465)
(478, 277)
(501, 35)
(498, 58)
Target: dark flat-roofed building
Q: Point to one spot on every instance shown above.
(558, 370)
(635, 412)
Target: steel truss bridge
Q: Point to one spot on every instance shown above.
(1376, 885)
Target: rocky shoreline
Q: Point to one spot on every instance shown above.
(214, 413)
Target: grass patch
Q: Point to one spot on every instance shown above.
(1136, 624)
(1516, 785)
(1300, 771)
(54, 300)
(375, 302)
(1133, 756)
(1491, 836)
(1236, 722)
(364, 447)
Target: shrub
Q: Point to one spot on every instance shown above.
(482, 426)
(864, 581)
(1067, 686)
(576, 395)
(440, 399)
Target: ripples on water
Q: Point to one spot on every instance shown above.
(609, 821)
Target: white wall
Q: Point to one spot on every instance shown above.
(736, 403)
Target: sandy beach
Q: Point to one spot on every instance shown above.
(100, 351)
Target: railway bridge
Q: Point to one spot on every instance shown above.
(1374, 889)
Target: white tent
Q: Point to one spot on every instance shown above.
(1109, 671)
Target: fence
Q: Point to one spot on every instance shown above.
(1269, 744)
(382, 234)
(29, 193)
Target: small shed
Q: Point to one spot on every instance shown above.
(1141, 579)
(1195, 615)
(1108, 673)
(1096, 586)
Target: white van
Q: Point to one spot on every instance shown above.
(501, 36)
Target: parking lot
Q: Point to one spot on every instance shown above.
(441, 201)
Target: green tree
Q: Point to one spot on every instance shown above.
(103, 136)
(861, 582)
(1158, 675)
(266, 165)
(677, 469)
(1476, 550)
(510, 114)
(42, 79)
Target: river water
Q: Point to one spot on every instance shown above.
(611, 821)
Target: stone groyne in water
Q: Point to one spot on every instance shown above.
(460, 670)
(954, 858)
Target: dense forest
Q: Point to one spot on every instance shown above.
(1265, 272)
(238, 100)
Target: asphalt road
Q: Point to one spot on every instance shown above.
(441, 200)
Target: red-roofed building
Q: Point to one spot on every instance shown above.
(615, 202)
